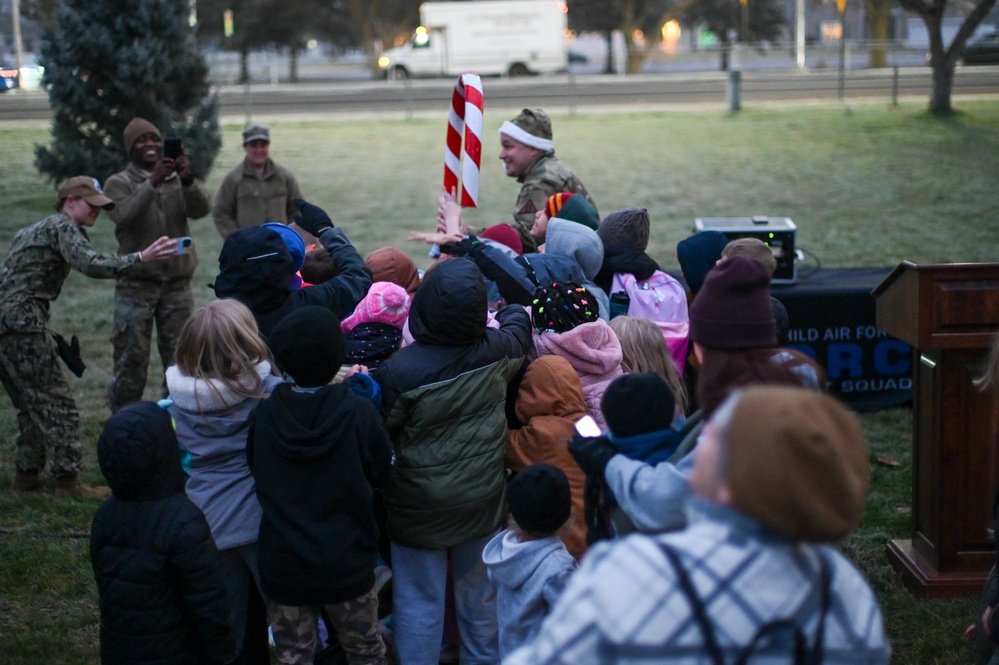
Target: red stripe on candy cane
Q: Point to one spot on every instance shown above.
(465, 116)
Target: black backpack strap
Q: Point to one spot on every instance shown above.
(802, 654)
(815, 657)
(788, 625)
(696, 605)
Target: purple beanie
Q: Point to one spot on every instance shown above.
(732, 311)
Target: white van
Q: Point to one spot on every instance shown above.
(489, 37)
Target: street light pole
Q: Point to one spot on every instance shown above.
(841, 5)
(744, 31)
(15, 18)
(799, 33)
(735, 62)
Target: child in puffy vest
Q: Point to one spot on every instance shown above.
(374, 331)
(528, 564)
(444, 398)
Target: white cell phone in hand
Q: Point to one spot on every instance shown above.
(184, 245)
(587, 426)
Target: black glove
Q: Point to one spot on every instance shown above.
(313, 218)
(595, 511)
(592, 453)
(70, 353)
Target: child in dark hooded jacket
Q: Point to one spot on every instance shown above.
(444, 398)
(317, 451)
(257, 268)
(159, 579)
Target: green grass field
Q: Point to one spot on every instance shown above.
(867, 186)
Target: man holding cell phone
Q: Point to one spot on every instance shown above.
(154, 196)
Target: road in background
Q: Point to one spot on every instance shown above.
(567, 92)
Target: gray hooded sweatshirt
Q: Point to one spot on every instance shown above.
(211, 430)
(582, 245)
(529, 578)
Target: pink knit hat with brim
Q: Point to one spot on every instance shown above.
(385, 302)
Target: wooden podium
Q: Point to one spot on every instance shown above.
(949, 313)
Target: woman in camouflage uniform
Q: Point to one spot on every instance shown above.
(31, 277)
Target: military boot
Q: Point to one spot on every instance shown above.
(26, 481)
(70, 485)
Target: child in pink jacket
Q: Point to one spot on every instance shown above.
(566, 319)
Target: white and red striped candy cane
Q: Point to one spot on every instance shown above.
(466, 114)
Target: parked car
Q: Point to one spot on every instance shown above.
(9, 78)
(982, 51)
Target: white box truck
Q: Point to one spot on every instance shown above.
(488, 37)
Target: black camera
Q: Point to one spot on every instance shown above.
(173, 147)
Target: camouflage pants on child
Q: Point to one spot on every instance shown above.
(296, 632)
(47, 419)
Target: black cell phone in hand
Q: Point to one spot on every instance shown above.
(173, 147)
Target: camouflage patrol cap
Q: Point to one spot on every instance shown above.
(532, 128)
(535, 122)
(86, 188)
(256, 133)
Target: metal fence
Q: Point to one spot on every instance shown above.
(274, 67)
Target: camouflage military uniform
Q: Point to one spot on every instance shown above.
(545, 176)
(157, 293)
(355, 621)
(31, 277)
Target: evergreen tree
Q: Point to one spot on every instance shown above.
(108, 61)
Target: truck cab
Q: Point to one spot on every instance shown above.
(425, 54)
